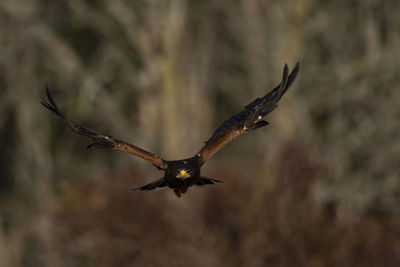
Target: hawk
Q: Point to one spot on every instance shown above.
(179, 175)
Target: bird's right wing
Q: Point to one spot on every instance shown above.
(248, 119)
(102, 140)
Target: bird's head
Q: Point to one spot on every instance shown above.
(183, 174)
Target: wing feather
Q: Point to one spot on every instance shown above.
(102, 140)
(249, 118)
(159, 183)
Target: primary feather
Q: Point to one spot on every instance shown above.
(249, 118)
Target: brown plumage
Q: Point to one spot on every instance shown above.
(249, 119)
(181, 174)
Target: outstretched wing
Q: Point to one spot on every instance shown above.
(248, 119)
(102, 140)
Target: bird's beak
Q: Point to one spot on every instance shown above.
(183, 174)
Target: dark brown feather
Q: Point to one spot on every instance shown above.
(159, 183)
(248, 119)
(102, 140)
(206, 181)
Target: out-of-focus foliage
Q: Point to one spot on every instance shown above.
(318, 187)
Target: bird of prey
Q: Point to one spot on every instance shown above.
(179, 175)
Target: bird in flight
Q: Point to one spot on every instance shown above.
(179, 175)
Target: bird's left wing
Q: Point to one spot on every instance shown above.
(249, 119)
(101, 140)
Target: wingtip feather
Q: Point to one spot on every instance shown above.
(51, 104)
(293, 74)
(140, 189)
(285, 72)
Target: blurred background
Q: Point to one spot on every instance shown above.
(318, 187)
